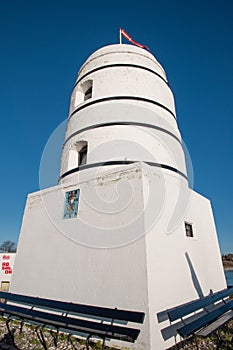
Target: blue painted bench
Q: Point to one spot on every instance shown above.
(70, 318)
(204, 316)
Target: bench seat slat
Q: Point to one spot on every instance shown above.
(117, 314)
(186, 309)
(202, 321)
(75, 324)
(205, 332)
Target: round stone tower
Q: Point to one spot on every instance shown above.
(121, 111)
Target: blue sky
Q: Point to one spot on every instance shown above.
(43, 45)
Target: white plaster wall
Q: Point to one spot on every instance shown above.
(179, 268)
(88, 259)
(114, 82)
(116, 53)
(118, 251)
(126, 81)
(161, 143)
(122, 111)
(122, 143)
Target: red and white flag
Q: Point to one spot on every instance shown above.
(128, 37)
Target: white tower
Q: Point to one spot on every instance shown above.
(121, 93)
(122, 229)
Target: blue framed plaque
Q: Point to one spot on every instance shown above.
(71, 204)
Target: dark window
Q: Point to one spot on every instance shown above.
(83, 156)
(88, 93)
(188, 229)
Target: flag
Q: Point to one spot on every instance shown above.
(128, 37)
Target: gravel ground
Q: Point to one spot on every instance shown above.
(28, 340)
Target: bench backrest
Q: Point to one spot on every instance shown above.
(112, 314)
(186, 309)
(71, 323)
(204, 320)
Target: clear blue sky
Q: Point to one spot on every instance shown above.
(43, 44)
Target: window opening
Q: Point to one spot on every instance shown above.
(83, 92)
(88, 93)
(83, 155)
(77, 155)
(188, 229)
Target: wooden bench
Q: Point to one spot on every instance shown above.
(204, 316)
(72, 318)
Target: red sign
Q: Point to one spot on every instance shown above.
(6, 257)
(6, 268)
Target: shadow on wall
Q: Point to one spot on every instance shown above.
(171, 330)
(196, 283)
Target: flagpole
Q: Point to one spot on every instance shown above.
(120, 37)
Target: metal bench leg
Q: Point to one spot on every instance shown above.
(10, 332)
(41, 338)
(220, 340)
(196, 342)
(87, 341)
(55, 337)
(89, 337)
(21, 326)
(103, 344)
(69, 340)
